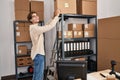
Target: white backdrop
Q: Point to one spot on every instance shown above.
(106, 8)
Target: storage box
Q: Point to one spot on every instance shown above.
(29, 61)
(20, 26)
(87, 7)
(22, 5)
(66, 6)
(21, 61)
(75, 27)
(22, 49)
(41, 15)
(89, 34)
(22, 36)
(77, 34)
(21, 15)
(67, 34)
(89, 27)
(37, 6)
(22, 32)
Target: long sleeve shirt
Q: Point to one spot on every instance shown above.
(36, 34)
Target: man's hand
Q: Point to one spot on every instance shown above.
(57, 12)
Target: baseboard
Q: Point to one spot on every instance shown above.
(8, 77)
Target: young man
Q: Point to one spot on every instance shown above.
(36, 34)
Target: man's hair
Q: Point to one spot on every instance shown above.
(29, 17)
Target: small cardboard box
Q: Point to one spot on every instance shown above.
(67, 34)
(21, 61)
(29, 61)
(77, 34)
(88, 27)
(22, 49)
(75, 26)
(89, 34)
(66, 6)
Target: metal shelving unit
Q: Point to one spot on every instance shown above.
(16, 43)
(62, 42)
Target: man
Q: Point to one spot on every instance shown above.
(36, 34)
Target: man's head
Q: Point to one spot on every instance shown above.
(33, 17)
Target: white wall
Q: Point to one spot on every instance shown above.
(6, 38)
(106, 8)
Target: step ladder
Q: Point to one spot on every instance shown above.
(51, 70)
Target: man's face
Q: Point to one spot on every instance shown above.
(35, 18)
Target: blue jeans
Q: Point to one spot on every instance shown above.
(38, 73)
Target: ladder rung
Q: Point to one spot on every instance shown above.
(50, 77)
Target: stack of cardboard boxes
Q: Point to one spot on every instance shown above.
(23, 7)
(78, 31)
(84, 7)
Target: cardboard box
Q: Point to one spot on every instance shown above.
(89, 34)
(22, 49)
(21, 15)
(37, 6)
(22, 32)
(87, 7)
(22, 36)
(19, 28)
(77, 34)
(21, 61)
(66, 6)
(75, 27)
(28, 61)
(41, 15)
(22, 5)
(67, 34)
(88, 27)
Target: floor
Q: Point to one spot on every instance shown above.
(12, 77)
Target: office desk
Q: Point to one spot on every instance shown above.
(97, 76)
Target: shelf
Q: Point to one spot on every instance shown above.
(67, 58)
(77, 39)
(77, 16)
(24, 42)
(24, 75)
(23, 55)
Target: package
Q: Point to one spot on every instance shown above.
(87, 7)
(66, 6)
(22, 49)
(38, 6)
(73, 26)
(21, 61)
(89, 26)
(21, 5)
(67, 34)
(28, 61)
(78, 34)
(22, 32)
(89, 34)
(21, 14)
